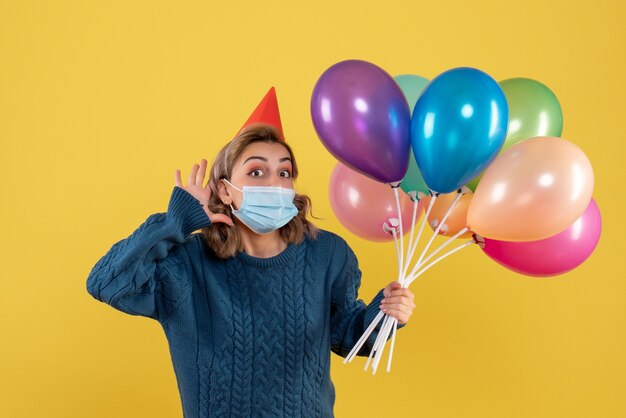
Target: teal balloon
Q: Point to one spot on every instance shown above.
(412, 87)
(413, 180)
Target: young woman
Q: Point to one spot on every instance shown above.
(254, 304)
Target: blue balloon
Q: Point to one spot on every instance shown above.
(458, 126)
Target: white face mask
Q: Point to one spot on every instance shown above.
(265, 208)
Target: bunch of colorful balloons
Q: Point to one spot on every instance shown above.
(480, 159)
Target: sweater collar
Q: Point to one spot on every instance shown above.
(276, 260)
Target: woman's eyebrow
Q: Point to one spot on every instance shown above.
(257, 157)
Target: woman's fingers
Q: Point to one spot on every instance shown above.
(393, 290)
(177, 179)
(398, 302)
(403, 291)
(191, 181)
(196, 176)
(396, 307)
(402, 317)
(201, 173)
(391, 287)
(219, 217)
(402, 300)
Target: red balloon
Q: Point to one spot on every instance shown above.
(364, 205)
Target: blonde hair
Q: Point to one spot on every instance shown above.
(226, 240)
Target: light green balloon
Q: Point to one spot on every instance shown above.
(534, 111)
(412, 86)
(413, 180)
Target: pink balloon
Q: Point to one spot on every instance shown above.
(364, 205)
(554, 255)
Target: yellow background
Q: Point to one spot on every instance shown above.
(101, 101)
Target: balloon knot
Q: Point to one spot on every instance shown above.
(478, 240)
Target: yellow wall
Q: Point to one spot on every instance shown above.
(101, 101)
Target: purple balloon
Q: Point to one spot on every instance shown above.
(557, 254)
(362, 117)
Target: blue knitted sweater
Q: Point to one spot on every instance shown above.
(248, 336)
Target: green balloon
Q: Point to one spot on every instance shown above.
(412, 86)
(474, 183)
(534, 111)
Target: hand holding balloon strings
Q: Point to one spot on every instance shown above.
(421, 261)
(405, 281)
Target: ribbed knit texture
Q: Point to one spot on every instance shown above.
(248, 336)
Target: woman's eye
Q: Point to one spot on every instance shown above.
(285, 173)
(256, 173)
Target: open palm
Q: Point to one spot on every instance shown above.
(195, 186)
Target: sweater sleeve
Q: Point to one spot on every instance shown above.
(350, 316)
(145, 274)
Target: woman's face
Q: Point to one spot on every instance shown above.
(260, 164)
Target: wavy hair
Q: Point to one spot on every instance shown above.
(226, 240)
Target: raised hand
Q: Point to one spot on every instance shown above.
(202, 193)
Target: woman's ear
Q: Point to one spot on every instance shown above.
(223, 193)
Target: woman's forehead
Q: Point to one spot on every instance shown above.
(272, 152)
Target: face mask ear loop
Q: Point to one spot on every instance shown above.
(232, 185)
(226, 180)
